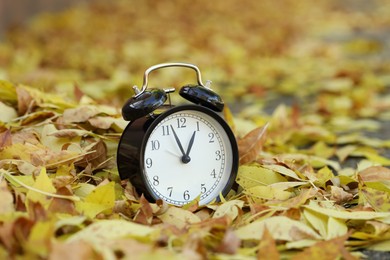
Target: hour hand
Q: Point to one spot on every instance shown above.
(190, 144)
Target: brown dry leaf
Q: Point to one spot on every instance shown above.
(375, 173)
(267, 247)
(340, 196)
(250, 146)
(5, 139)
(25, 101)
(145, 212)
(63, 205)
(324, 250)
(96, 155)
(79, 114)
(11, 233)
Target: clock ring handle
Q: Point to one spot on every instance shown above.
(166, 65)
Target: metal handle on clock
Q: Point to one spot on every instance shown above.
(165, 65)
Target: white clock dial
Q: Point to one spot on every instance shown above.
(187, 155)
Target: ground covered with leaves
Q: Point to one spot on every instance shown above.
(308, 88)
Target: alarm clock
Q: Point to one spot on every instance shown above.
(177, 153)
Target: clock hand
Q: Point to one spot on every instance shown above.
(178, 141)
(190, 144)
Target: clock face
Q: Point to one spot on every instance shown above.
(189, 152)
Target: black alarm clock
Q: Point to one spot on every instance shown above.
(177, 153)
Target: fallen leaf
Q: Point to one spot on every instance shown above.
(268, 193)
(253, 175)
(267, 247)
(178, 217)
(39, 240)
(96, 155)
(330, 249)
(103, 230)
(377, 199)
(281, 228)
(250, 145)
(101, 199)
(7, 113)
(5, 139)
(79, 114)
(229, 244)
(375, 173)
(230, 208)
(42, 185)
(76, 250)
(344, 214)
(328, 227)
(339, 196)
(25, 100)
(282, 170)
(7, 200)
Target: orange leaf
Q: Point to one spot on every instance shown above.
(267, 247)
(251, 144)
(330, 249)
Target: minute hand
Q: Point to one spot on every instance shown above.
(178, 141)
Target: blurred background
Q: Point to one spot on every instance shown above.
(17, 12)
(256, 52)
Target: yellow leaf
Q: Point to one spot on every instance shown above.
(268, 193)
(282, 170)
(336, 228)
(7, 113)
(228, 116)
(281, 228)
(230, 208)
(18, 151)
(42, 183)
(57, 144)
(378, 200)
(7, 92)
(380, 246)
(39, 240)
(328, 227)
(178, 217)
(373, 156)
(103, 230)
(100, 235)
(299, 200)
(322, 176)
(344, 214)
(253, 175)
(100, 199)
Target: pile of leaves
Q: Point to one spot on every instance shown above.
(310, 100)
